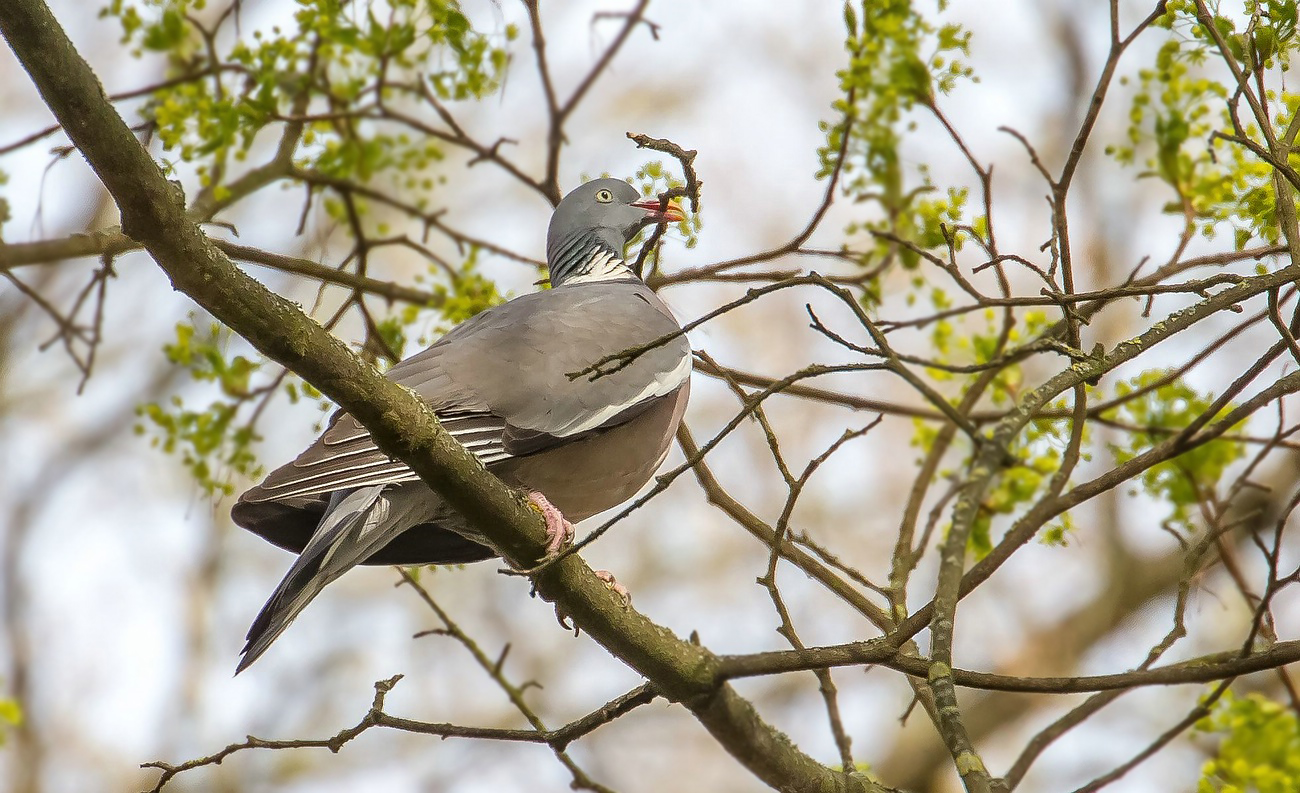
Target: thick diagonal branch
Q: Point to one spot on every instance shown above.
(153, 214)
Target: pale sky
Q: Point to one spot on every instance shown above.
(112, 548)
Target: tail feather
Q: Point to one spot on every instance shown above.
(356, 524)
(294, 593)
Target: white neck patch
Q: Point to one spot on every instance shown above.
(602, 266)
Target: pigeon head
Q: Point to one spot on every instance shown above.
(593, 224)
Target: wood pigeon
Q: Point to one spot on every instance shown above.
(499, 383)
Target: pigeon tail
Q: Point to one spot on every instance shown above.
(356, 524)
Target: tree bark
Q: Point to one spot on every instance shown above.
(154, 215)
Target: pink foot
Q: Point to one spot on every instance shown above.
(615, 587)
(559, 531)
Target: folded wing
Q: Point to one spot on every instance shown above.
(504, 387)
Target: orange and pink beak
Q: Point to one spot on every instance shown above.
(672, 213)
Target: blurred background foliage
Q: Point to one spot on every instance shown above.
(997, 189)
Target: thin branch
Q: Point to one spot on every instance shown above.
(881, 652)
(401, 425)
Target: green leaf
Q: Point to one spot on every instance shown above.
(1258, 750)
(11, 715)
(1155, 406)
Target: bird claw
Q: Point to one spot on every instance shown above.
(559, 531)
(559, 534)
(615, 587)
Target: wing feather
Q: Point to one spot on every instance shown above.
(351, 459)
(501, 384)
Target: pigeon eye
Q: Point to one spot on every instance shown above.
(604, 196)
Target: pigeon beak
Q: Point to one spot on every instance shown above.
(671, 214)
